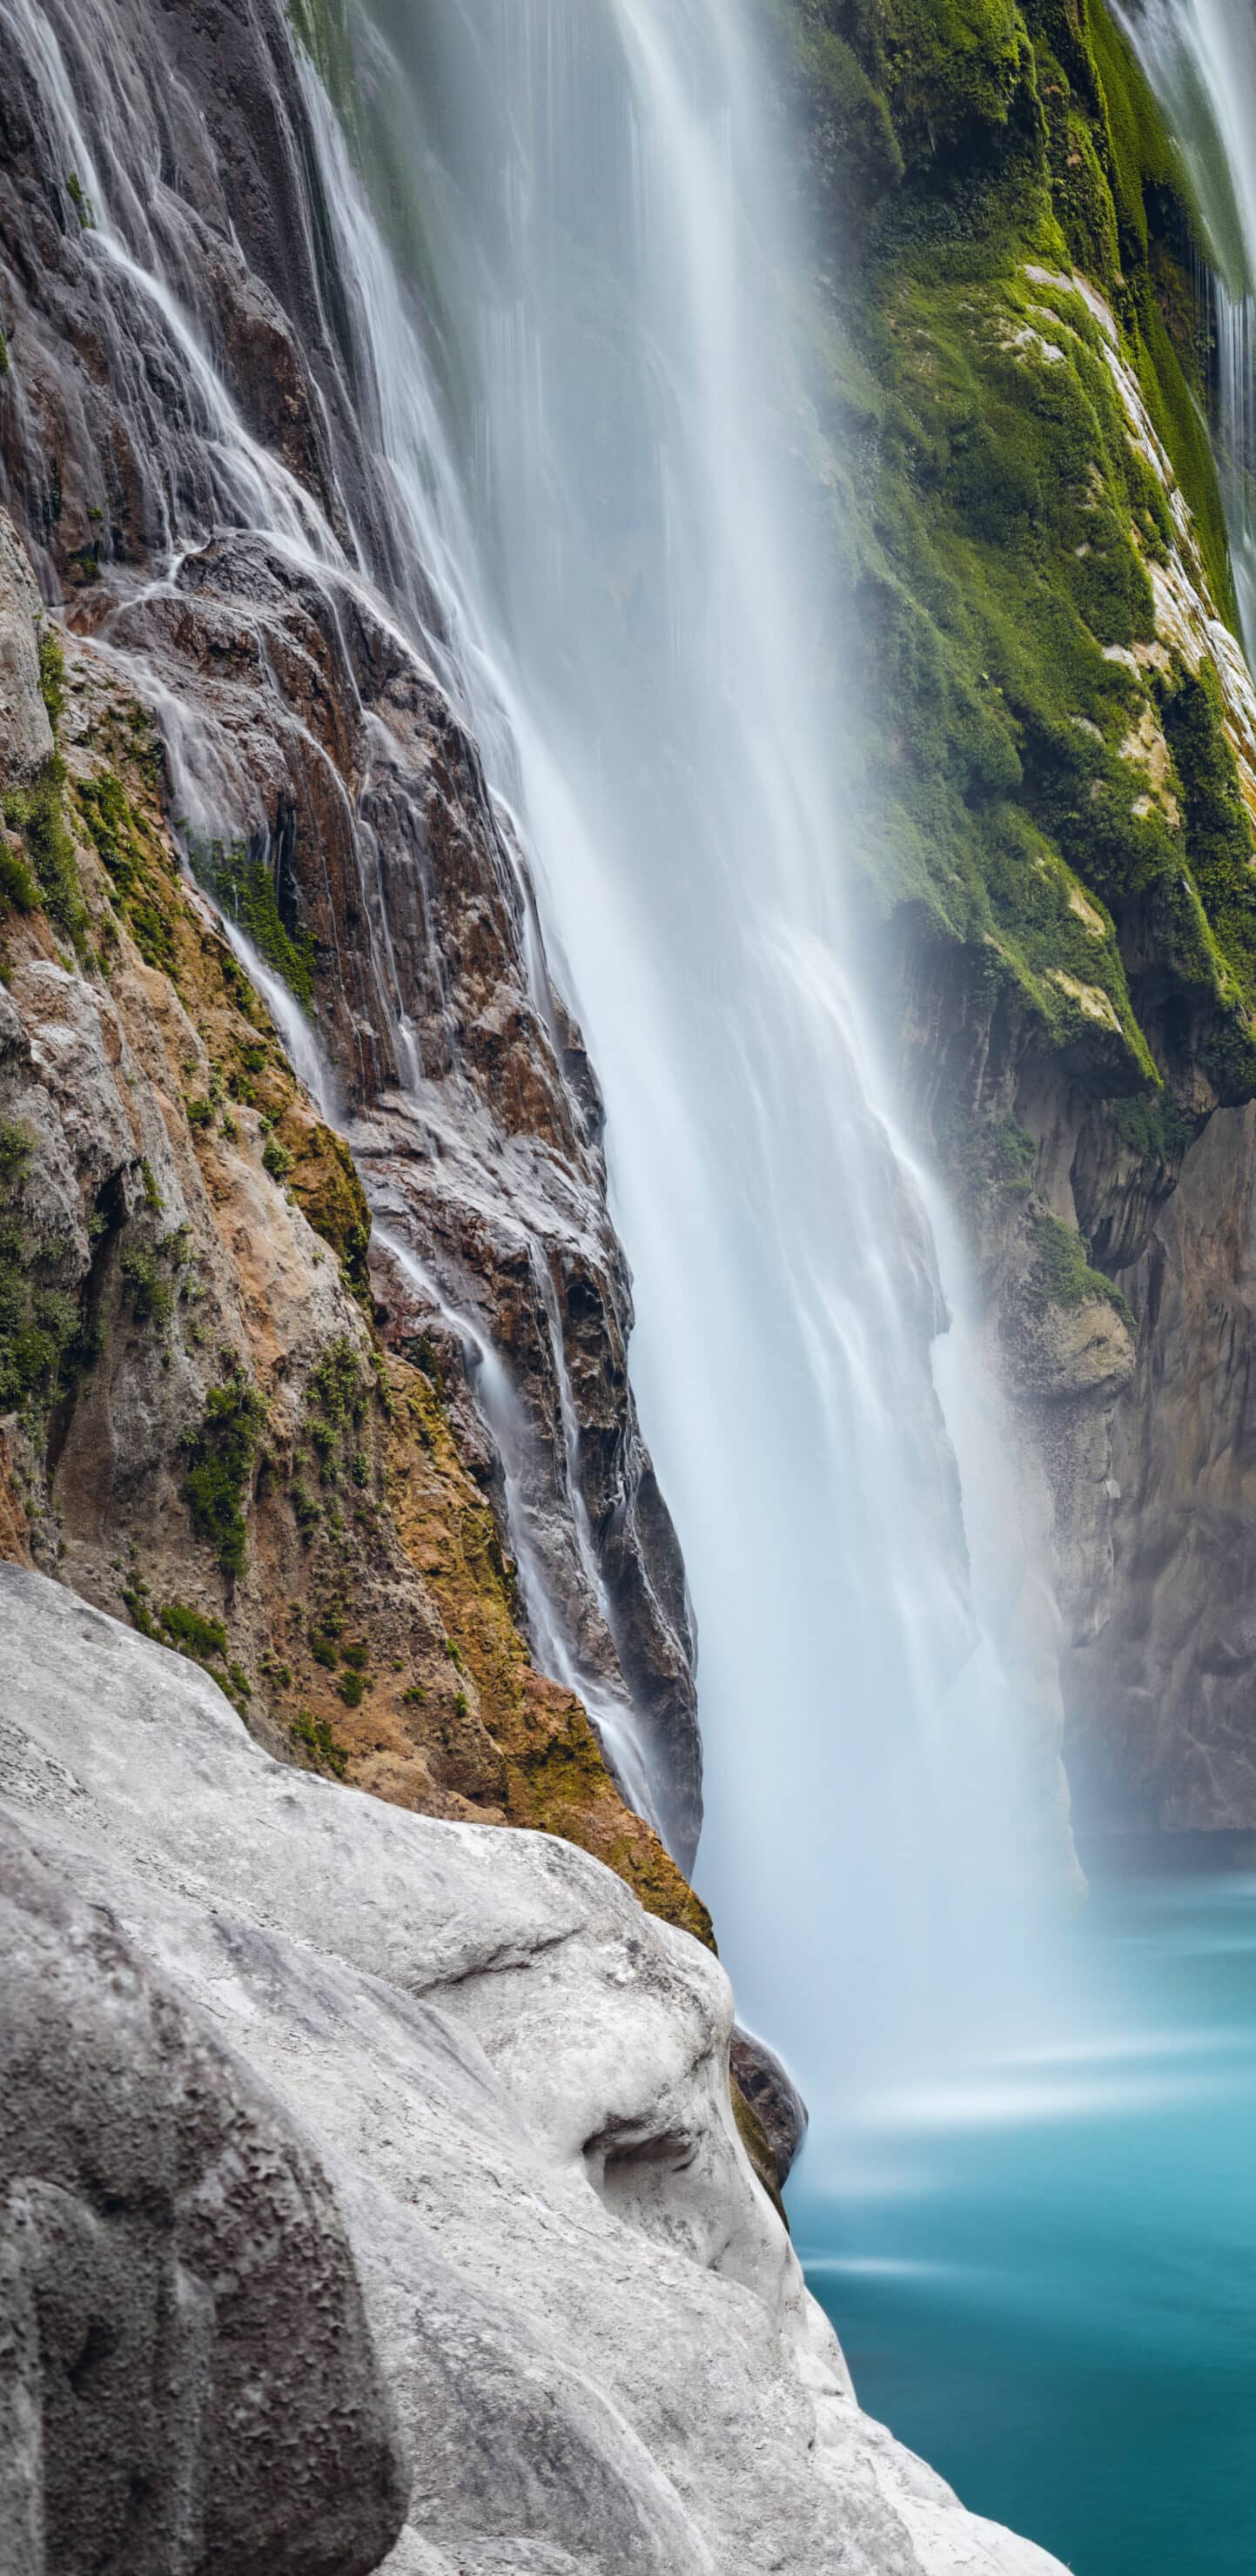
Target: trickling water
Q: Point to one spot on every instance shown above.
(1200, 56)
(589, 268)
(568, 303)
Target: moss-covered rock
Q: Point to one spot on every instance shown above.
(1018, 361)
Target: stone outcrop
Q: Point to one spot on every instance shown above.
(201, 1427)
(596, 2334)
(186, 2375)
(234, 555)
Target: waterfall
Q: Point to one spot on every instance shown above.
(1200, 56)
(598, 505)
(578, 351)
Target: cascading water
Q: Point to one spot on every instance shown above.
(1200, 56)
(588, 265)
(564, 306)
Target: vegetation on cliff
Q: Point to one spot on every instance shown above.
(1014, 358)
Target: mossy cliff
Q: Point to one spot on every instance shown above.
(1008, 379)
(1017, 356)
(201, 1428)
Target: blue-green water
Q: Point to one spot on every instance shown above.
(1044, 2271)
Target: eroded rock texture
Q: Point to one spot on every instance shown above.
(182, 452)
(200, 1427)
(187, 2379)
(1163, 1729)
(601, 2351)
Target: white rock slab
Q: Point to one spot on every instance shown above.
(598, 2334)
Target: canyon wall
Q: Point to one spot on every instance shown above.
(1011, 374)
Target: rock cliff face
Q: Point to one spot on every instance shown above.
(181, 453)
(203, 1427)
(595, 2333)
(1058, 820)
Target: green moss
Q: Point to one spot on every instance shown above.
(1218, 831)
(46, 1340)
(324, 1749)
(1157, 1130)
(220, 1464)
(38, 812)
(205, 1639)
(242, 884)
(1001, 524)
(276, 1159)
(80, 201)
(52, 675)
(321, 28)
(18, 890)
(141, 871)
(1062, 1275)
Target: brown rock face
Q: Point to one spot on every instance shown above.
(1163, 1698)
(194, 528)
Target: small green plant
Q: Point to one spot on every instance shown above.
(200, 1113)
(358, 1467)
(461, 1703)
(326, 1752)
(147, 1293)
(203, 1638)
(239, 1681)
(141, 1616)
(352, 1689)
(220, 1462)
(276, 1159)
(240, 881)
(153, 1199)
(52, 675)
(80, 201)
(1062, 1275)
(323, 1650)
(414, 1697)
(38, 812)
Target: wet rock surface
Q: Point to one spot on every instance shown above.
(223, 537)
(597, 2337)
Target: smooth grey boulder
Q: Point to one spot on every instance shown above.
(187, 2379)
(602, 2351)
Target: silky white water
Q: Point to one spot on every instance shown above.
(575, 310)
(584, 377)
(1200, 56)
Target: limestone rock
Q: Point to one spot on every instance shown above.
(597, 2335)
(186, 2374)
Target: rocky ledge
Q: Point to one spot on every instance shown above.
(302, 2021)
